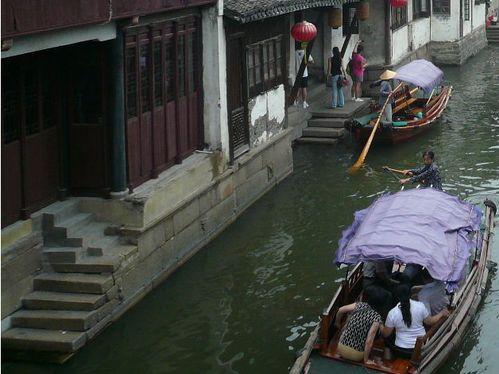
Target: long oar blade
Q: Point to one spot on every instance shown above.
(363, 154)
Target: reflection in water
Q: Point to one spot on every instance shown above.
(248, 301)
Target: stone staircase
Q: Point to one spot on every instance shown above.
(73, 299)
(327, 126)
(493, 34)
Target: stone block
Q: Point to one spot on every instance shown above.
(253, 166)
(13, 293)
(219, 215)
(185, 216)
(207, 200)
(225, 188)
(134, 280)
(151, 239)
(250, 190)
(26, 263)
(186, 240)
(15, 232)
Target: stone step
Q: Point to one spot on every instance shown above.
(323, 132)
(349, 110)
(493, 40)
(63, 301)
(73, 282)
(58, 212)
(324, 141)
(91, 265)
(43, 340)
(337, 123)
(67, 320)
(63, 254)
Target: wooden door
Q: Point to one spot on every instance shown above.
(88, 125)
(30, 145)
(237, 95)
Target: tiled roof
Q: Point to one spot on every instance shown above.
(244, 11)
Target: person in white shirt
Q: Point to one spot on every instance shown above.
(407, 319)
(303, 82)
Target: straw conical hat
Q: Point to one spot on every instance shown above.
(387, 74)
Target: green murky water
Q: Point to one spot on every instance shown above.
(246, 303)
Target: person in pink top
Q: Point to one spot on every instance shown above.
(358, 65)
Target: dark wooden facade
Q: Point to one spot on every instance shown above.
(20, 17)
(54, 131)
(257, 55)
(163, 95)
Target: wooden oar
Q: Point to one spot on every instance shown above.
(363, 154)
(393, 170)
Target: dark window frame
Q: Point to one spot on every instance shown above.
(399, 17)
(441, 7)
(417, 11)
(467, 10)
(263, 72)
(349, 12)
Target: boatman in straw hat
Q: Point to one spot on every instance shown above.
(384, 92)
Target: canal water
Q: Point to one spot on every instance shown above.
(247, 302)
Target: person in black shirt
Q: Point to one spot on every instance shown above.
(428, 175)
(335, 69)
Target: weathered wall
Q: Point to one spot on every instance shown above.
(400, 44)
(479, 15)
(372, 32)
(420, 32)
(457, 52)
(266, 115)
(445, 28)
(214, 80)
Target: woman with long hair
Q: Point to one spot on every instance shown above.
(363, 323)
(407, 319)
(335, 69)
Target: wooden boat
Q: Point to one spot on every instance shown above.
(431, 350)
(411, 117)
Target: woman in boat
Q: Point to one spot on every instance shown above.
(385, 91)
(362, 325)
(428, 175)
(335, 69)
(407, 319)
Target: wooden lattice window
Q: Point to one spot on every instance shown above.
(350, 22)
(158, 73)
(264, 64)
(421, 8)
(441, 7)
(131, 81)
(466, 10)
(399, 17)
(145, 81)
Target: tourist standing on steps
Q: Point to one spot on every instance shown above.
(303, 82)
(335, 69)
(359, 64)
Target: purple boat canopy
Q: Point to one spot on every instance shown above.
(421, 73)
(418, 226)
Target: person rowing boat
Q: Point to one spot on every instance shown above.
(428, 175)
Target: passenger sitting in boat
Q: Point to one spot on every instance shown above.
(407, 319)
(362, 325)
(378, 273)
(433, 294)
(428, 175)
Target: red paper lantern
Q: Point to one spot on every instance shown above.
(398, 3)
(304, 31)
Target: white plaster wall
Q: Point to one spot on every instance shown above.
(445, 28)
(276, 100)
(337, 40)
(479, 15)
(268, 110)
(215, 79)
(400, 44)
(420, 32)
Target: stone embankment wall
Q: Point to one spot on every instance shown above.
(457, 52)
